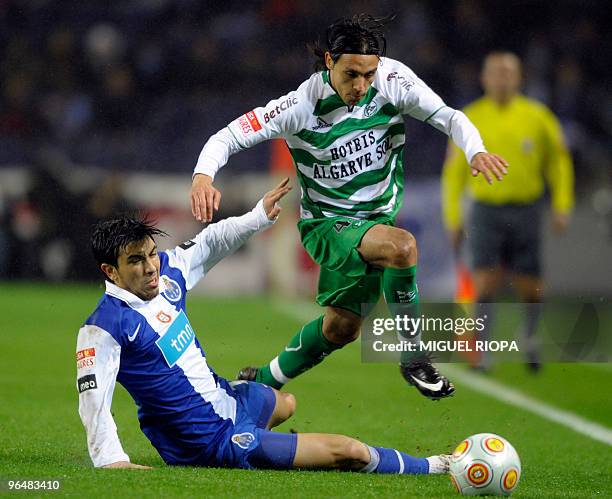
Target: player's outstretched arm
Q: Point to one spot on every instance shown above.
(415, 98)
(279, 117)
(98, 355)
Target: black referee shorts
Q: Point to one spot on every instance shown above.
(506, 235)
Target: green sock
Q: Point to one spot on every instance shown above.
(305, 350)
(402, 297)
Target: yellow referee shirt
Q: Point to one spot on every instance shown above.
(529, 137)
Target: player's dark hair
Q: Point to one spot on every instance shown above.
(360, 34)
(110, 236)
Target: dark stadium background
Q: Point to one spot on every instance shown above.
(91, 92)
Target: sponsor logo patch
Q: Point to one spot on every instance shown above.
(403, 81)
(176, 340)
(243, 440)
(172, 290)
(86, 358)
(86, 352)
(283, 106)
(187, 244)
(253, 121)
(87, 382)
(249, 123)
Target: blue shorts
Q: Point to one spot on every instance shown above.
(249, 445)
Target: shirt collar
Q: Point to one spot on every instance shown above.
(124, 295)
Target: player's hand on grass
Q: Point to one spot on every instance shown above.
(490, 165)
(127, 464)
(271, 199)
(204, 198)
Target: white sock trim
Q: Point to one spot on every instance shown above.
(277, 373)
(374, 460)
(401, 461)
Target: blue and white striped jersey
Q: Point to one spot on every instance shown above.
(152, 350)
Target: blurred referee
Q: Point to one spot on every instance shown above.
(504, 226)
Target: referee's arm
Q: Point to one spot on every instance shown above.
(558, 171)
(454, 178)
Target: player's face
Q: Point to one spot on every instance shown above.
(501, 76)
(137, 269)
(351, 75)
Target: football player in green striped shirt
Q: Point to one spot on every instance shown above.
(345, 130)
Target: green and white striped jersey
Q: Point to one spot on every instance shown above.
(348, 160)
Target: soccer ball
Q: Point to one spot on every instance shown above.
(485, 464)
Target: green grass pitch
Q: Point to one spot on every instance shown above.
(41, 436)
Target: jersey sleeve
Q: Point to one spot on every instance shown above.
(413, 97)
(278, 118)
(98, 357)
(196, 257)
(559, 170)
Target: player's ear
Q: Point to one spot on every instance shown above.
(109, 270)
(329, 62)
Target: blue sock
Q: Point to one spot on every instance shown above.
(383, 460)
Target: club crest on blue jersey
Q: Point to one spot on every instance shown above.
(172, 290)
(243, 440)
(176, 340)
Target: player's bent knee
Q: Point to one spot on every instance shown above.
(404, 252)
(290, 404)
(284, 409)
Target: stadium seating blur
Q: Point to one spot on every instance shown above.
(138, 86)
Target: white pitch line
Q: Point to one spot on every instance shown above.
(305, 312)
(513, 397)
